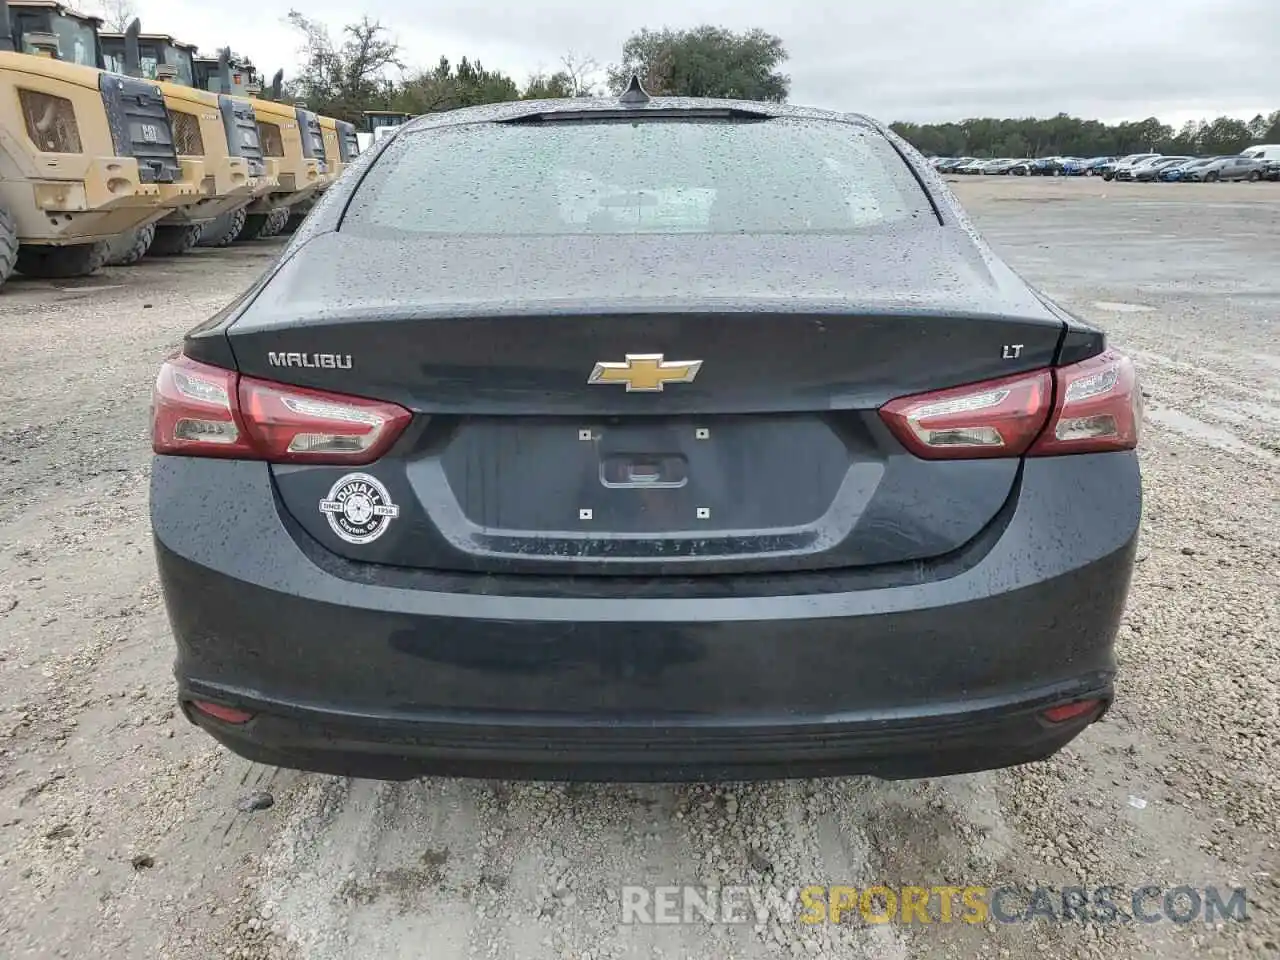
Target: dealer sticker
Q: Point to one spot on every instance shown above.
(359, 508)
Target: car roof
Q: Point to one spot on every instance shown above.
(585, 106)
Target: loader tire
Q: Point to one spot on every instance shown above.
(223, 231)
(175, 241)
(8, 245)
(59, 263)
(128, 248)
(276, 220)
(254, 224)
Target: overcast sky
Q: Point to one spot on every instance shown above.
(922, 60)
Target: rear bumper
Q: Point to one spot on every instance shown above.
(81, 185)
(365, 670)
(231, 177)
(181, 194)
(393, 747)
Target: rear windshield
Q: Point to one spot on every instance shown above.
(628, 177)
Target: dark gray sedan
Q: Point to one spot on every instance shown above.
(644, 439)
(1228, 169)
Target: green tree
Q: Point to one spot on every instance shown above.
(343, 80)
(1225, 135)
(548, 86)
(1273, 129)
(705, 61)
(448, 87)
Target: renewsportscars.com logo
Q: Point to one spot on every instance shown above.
(880, 904)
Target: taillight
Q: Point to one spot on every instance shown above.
(205, 411)
(1098, 407)
(995, 418)
(1091, 406)
(295, 425)
(193, 412)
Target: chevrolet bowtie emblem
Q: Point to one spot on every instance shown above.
(646, 372)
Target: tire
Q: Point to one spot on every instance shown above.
(276, 220)
(254, 224)
(1108, 177)
(175, 241)
(1254, 176)
(223, 231)
(1211, 177)
(128, 248)
(59, 263)
(8, 245)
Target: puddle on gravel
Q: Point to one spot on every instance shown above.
(1248, 413)
(1206, 433)
(1112, 306)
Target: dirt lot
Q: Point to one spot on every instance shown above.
(120, 835)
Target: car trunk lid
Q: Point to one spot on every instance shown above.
(762, 450)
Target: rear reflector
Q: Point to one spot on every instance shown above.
(219, 712)
(205, 411)
(1069, 711)
(1088, 407)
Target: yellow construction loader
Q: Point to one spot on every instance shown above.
(341, 146)
(85, 155)
(289, 136)
(216, 133)
(292, 144)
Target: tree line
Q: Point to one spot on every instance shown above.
(343, 78)
(1066, 136)
(357, 72)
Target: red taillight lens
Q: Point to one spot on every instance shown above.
(1098, 408)
(204, 411)
(293, 425)
(995, 418)
(1088, 407)
(193, 412)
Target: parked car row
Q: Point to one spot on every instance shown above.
(1252, 165)
(1255, 163)
(1018, 167)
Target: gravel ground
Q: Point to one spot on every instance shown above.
(120, 829)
